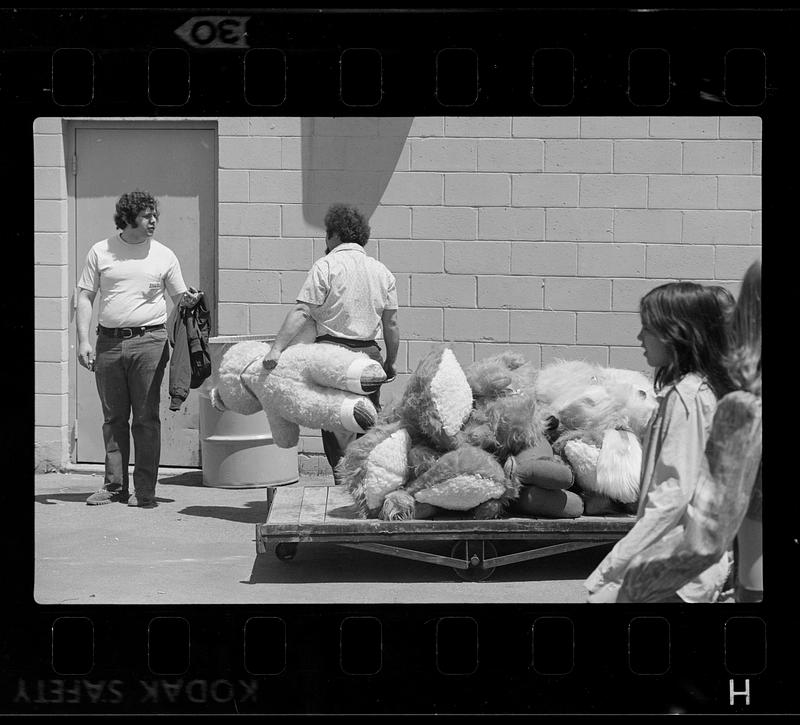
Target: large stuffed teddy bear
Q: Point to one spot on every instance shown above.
(313, 385)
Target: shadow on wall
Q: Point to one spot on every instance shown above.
(349, 161)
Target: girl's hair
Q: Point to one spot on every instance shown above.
(727, 304)
(129, 206)
(690, 320)
(744, 361)
(726, 299)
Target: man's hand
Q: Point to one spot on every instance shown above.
(191, 297)
(270, 360)
(86, 356)
(391, 373)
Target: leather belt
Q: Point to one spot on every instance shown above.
(346, 341)
(126, 332)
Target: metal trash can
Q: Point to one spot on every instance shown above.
(237, 450)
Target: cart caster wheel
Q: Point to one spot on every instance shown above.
(285, 551)
(474, 552)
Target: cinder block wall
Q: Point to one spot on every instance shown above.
(539, 234)
(51, 297)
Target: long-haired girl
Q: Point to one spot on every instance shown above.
(685, 340)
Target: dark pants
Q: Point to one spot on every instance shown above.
(128, 373)
(334, 444)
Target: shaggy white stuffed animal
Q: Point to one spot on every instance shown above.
(313, 385)
(603, 414)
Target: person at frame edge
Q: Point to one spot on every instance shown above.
(131, 271)
(350, 296)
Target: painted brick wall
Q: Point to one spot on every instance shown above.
(539, 234)
(51, 296)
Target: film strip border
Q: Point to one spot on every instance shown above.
(197, 659)
(386, 63)
(401, 660)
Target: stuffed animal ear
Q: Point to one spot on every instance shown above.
(437, 400)
(548, 503)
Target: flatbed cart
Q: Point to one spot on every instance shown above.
(327, 514)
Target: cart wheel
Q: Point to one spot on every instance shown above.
(285, 551)
(474, 552)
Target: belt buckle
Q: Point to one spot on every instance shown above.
(123, 330)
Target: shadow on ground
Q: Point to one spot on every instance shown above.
(252, 512)
(330, 563)
(187, 478)
(54, 498)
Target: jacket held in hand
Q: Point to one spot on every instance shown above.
(190, 364)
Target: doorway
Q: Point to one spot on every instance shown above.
(177, 163)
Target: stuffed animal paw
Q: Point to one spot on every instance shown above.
(539, 466)
(375, 465)
(460, 480)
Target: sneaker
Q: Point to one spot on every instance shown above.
(98, 498)
(142, 502)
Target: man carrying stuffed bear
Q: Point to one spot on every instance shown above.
(350, 296)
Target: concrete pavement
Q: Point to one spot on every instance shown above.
(198, 547)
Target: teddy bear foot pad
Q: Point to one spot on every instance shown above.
(329, 514)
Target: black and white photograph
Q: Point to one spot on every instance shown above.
(385, 359)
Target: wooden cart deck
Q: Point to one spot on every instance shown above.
(328, 514)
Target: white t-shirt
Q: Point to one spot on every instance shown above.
(349, 291)
(131, 280)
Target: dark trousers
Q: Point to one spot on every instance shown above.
(128, 373)
(334, 444)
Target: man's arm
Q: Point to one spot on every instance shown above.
(292, 324)
(391, 336)
(83, 317)
(186, 299)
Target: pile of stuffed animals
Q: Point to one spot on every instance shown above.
(497, 438)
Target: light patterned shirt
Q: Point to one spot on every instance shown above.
(672, 459)
(348, 291)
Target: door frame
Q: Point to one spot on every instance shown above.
(70, 127)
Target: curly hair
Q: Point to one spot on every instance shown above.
(744, 361)
(690, 320)
(348, 223)
(129, 206)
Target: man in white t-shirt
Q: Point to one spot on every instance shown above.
(129, 274)
(351, 297)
